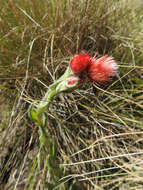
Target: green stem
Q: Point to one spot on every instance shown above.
(45, 102)
(52, 92)
(37, 114)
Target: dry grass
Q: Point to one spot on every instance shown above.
(96, 132)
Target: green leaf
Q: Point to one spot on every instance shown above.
(33, 113)
(39, 119)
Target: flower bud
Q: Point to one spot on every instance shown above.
(72, 80)
(80, 62)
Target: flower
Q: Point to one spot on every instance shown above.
(100, 70)
(80, 62)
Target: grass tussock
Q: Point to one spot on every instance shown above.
(96, 132)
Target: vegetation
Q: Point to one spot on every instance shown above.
(95, 133)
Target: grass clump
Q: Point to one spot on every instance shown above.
(95, 132)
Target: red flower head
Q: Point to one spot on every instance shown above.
(80, 62)
(100, 70)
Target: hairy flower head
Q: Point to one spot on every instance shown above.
(100, 70)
